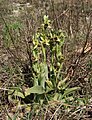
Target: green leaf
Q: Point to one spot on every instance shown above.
(45, 19)
(35, 89)
(43, 75)
(56, 96)
(19, 94)
(70, 90)
(49, 83)
(16, 25)
(15, 88)
(48, 89)
(62, 84)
